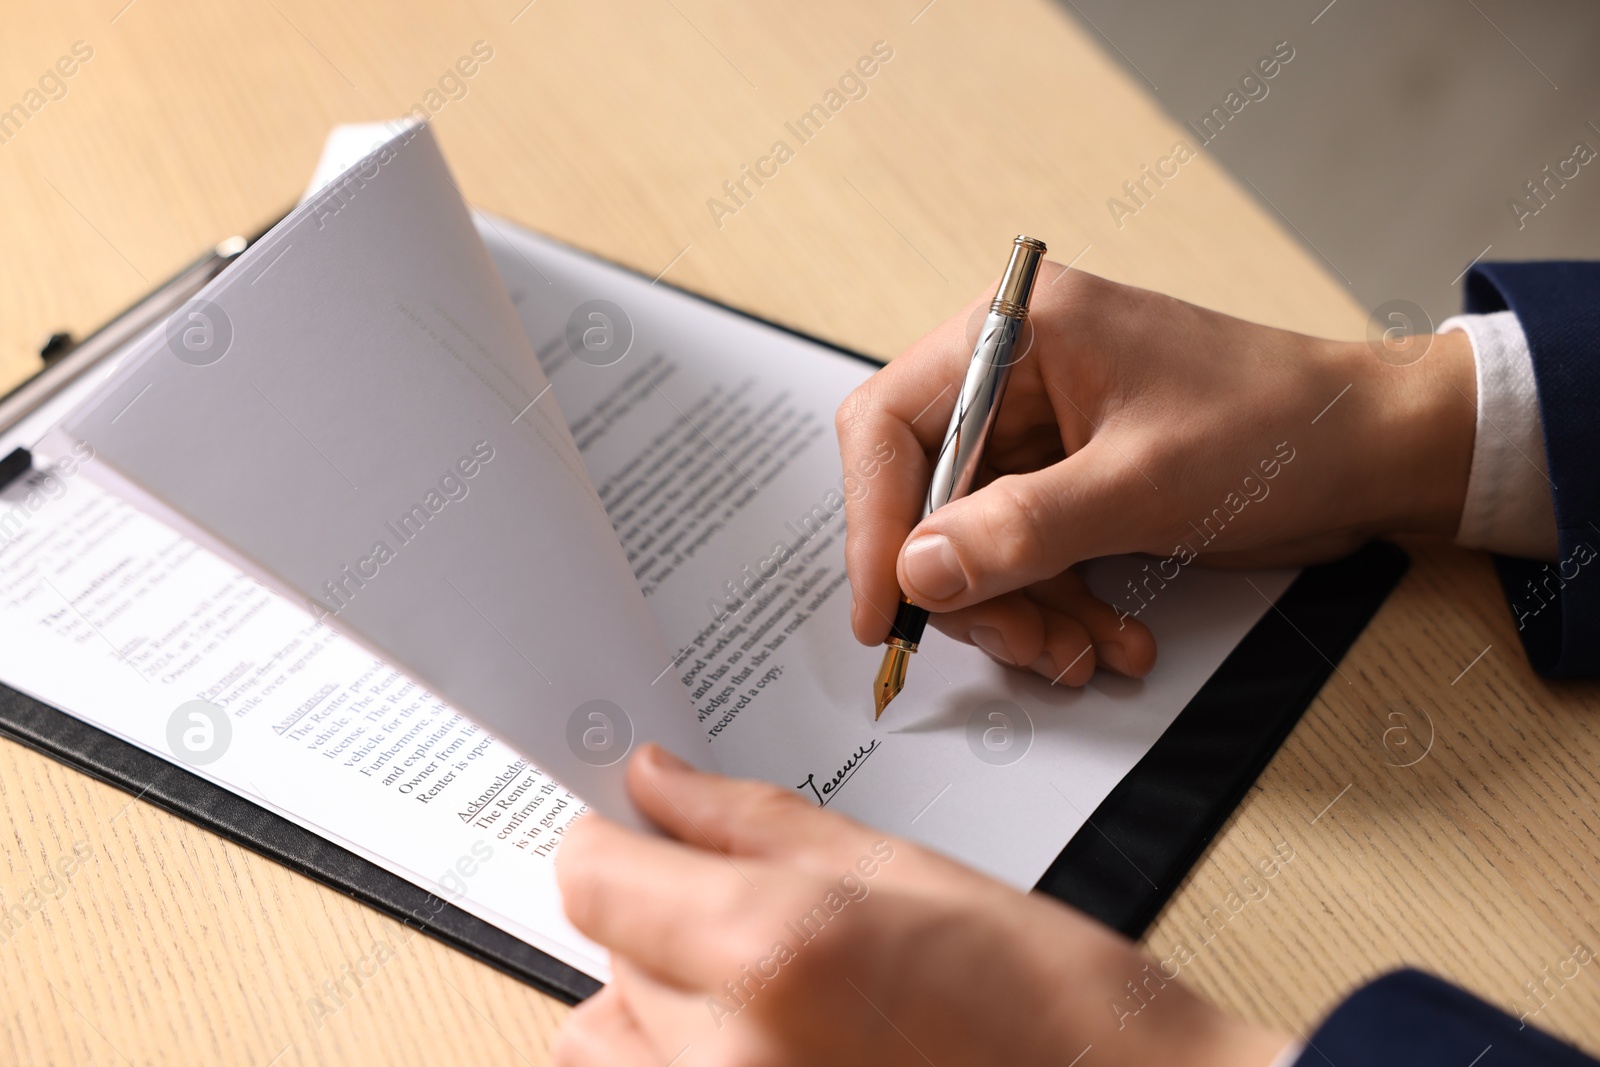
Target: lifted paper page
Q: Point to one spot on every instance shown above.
(353, 413)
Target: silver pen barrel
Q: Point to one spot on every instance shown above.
(978, 404)
(961, 455)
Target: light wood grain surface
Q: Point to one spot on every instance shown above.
(610, 124)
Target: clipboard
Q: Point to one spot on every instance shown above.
(1120, 868)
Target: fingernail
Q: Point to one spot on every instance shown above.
(989, 639)
(933, 569)
(1114, 657)
(660, 759)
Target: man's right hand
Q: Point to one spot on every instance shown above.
(1134, 422)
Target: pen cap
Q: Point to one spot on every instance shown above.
(1017, 285)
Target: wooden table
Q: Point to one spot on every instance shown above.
(611, 124)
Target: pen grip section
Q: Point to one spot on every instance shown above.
(909, 622)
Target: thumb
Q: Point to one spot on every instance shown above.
(1017, 530)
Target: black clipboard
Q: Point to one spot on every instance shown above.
(1120, 868)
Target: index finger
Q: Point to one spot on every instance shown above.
(672, 909)
(887, 429)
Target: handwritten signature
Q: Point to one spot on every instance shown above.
(825, 793)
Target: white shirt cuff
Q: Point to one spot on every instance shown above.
(1291, 1053)
(1509, 507)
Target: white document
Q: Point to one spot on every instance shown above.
(119, 620)
(707, 438)
(711, 443)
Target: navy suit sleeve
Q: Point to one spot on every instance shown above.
(1411, 1019)
(1557, 605)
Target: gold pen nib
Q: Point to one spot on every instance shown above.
(891, 677)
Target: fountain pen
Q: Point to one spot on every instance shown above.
(961, 452)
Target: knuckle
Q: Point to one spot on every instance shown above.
(1078, 288)
(1075, 304)
(1025, 636)
(1080, 661)
(1062, 291)
(853, 410)
(1140, 448)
